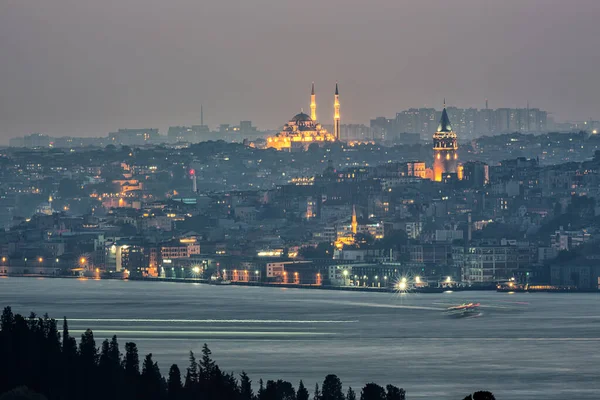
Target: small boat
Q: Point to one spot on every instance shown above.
(464, 310)
(218, 280)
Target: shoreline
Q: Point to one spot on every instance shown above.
(304, 286)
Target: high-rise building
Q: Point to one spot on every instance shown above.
(445, 146)
(476, 173)
(134, 137)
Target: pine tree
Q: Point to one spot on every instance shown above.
(114, 355)
(317, 394)
(69, 345)
(7, 320)
(150, 379)
(332, 388)
(131, 362)
(245, 387)
(88, 353)
(174, 383)
(207, 365)
(104, 360)
(302, 393)
(351, 395)
(192, 376)
(131, 371)
(260, 395)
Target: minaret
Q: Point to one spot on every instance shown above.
(313, 104)
(336, 114)
(354, 221)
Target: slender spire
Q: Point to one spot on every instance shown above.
(336, 113)
(201, 115)
(444, 125)
(313, 103)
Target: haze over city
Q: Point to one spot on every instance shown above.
(342, 199)
(87, 68)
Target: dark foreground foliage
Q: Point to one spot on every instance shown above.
(37, 362)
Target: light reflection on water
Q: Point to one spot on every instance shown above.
(525, 346)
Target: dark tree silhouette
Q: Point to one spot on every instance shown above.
(372, 391)
(35, 364)
(246, 392)
(350, 395)
(302, 393)
(174, 386)
(151, 380)
(332, 388)
(395, 393)
(483, 395)
(22, 393)
(192, 375)
(317, 394)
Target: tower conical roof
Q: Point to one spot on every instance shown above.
(444, 125)
(336, 89)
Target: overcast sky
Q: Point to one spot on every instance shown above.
(87, 67)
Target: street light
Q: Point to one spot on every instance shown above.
(448, 280)
(417, 279)
(40, 260)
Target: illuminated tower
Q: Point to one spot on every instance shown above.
(313, 104)
(194, 184)
(445, 146)
(354, 221)
(336, 113)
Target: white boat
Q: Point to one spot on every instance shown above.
(464, 310)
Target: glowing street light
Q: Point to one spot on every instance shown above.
(402, 285)
(82, 261)
(40, 260)
(448, 280)
(417, 279)
(196, 270)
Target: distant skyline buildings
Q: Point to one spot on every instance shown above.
(467, 122)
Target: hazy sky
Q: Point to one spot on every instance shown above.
(87, 67)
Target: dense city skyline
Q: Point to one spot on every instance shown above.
(247, 62)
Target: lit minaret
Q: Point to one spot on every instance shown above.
(194, 184)
(336, 114)
(354, 220)
(313, 104)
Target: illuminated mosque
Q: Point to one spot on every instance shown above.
(303, 130)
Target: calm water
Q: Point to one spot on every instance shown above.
(524, 346)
